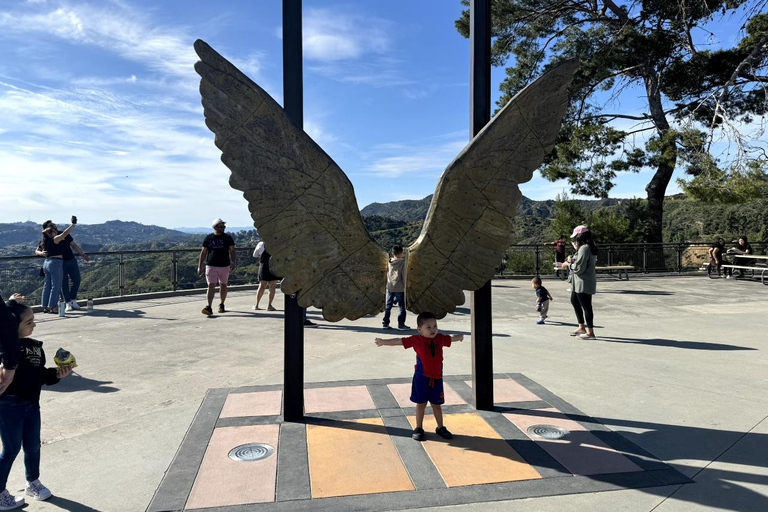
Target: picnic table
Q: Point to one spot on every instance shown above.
(760, 264)
(621, 269)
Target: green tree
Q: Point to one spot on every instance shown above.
(568, 215)
(691, 96)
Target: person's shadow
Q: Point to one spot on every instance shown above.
(69, 505)
(76, 382)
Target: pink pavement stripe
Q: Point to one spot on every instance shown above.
(508, 390)
(402, 393)
(580, 452)
(264, 403)
(222, 481)
(341, 398)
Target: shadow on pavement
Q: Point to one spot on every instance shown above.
(69, 505)
(661, 342)
(76, 382)
(638, 292)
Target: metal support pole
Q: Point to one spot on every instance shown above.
(479, 115)
(293, 103)
(121, 276)
(538, 266)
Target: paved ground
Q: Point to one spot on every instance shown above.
(679, 369)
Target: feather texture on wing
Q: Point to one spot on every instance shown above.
(303, 205)
(469, 223)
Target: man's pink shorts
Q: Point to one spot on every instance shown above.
(217, 275)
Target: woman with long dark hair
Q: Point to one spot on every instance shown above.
(52, 249)
(584, 285)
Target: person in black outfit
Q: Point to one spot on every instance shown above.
(52, 249)
(9, 346)
(742, 248)
(218, 252)
(267, 280)
(20, 409)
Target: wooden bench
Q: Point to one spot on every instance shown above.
(621, 268)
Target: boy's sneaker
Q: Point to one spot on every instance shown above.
(207, 310)
(403, 328)
(75, 305)
(444, 433)
(540, 322)
(271, 308)
(9, 502)
(418, 434)
(221, 308)
(37, 490)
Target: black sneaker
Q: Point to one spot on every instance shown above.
(418, 434)
(403, 328)
(221, 308)
(309, 323)
(444, 433)
(386, 327)
(207, 310)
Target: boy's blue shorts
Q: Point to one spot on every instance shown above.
(422, 392)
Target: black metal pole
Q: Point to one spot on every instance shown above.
(480, 114)
(293, 103)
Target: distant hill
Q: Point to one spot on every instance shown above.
(22, 237)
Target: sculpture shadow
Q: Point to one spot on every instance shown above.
(69, 505)
(76, 382)
(662, 342)
(116, 313)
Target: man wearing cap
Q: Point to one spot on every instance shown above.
(218, 252)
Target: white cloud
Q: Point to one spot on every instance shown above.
(330, 35)
(394, 160)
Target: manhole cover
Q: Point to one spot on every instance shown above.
(547, 431)
(251, 452)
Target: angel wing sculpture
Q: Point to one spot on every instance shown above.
(305, 208)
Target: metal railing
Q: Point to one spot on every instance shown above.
(119, 273)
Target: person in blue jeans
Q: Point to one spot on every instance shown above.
(20, 410)
(52, 249)
(396, 288)
(71, 272)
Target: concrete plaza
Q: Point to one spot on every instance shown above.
(679, 369)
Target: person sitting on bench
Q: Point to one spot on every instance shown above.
(741, 248)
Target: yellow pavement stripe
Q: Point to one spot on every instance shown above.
(476, 454)
(354, 457)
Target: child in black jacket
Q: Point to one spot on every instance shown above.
(20, 410)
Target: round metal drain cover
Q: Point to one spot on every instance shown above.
(547, 431)
(251, 452)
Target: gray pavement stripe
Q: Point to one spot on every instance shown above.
(293, 463)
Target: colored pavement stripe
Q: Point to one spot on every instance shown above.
(265, 403)
(354, 457)
(222, 481)
(475, 455)
(402, 393)
(508, 390)
(580, 452)
(342, 398)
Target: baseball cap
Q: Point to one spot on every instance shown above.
(217, 221)
(578, 230)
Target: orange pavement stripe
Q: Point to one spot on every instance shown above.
(354, 457)
(342, 398)
(476, 454)
(222, 481)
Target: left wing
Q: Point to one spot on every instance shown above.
(469, 223)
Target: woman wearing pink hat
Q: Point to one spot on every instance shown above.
(584, 285)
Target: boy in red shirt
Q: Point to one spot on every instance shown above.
(428, 375)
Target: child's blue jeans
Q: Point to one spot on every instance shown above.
(392, 298)
(19, 426)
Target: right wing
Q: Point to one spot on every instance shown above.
(302, 203)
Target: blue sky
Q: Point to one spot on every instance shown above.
(101, 116)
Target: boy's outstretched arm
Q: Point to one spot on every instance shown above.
(457, 337)
(390, 342)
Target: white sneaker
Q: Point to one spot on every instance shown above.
(75, 305)
(9, 502)
(37, 490)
